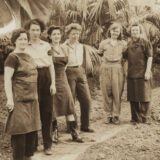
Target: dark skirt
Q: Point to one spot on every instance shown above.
(139, 90)
(63, 103)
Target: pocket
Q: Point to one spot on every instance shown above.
(25, 91)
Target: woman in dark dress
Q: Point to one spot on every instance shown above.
(22, 99)
(139, 56)
(63, 104)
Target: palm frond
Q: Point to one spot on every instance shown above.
(112, 8)
(151, 31)
(82, 6)
(72, 14)
(96, 8)
(92, 60)
(26, 6)
(154, 18)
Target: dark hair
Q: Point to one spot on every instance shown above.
(53, 27)
(113, 27)
(136, 24)
(72, 26)
(36, 22)
(16, 33)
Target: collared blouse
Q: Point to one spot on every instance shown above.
(75, 54)
(111, 53)
(39, 53)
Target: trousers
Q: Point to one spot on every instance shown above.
(45, 105)
(140, 111)
(112, 85)
(23, 145)
(79, 87)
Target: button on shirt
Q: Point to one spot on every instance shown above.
(111, 52)
(39, 52)
(75, 54)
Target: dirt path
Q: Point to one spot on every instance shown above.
(67, 150)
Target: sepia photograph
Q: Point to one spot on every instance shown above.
(79, 79)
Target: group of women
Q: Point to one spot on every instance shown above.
(37, 88)
(115, 52)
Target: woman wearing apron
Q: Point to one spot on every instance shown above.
(63, 104)
(139, 54)
(22, 100)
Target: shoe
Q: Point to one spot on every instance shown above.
(109, 120)
(87, 130)
(115, 120)
(133, 122)
(74, 133)
(55, 131)
(55, 136)
(147, 121)
(28, 158)
(48, 151)
(77, 138)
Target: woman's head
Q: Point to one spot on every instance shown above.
(135, 30)
(54, 34)
(73, 31)
(35, 27)
(20, 38)
(115, 31)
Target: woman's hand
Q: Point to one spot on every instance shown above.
(147, 75)
(10, 106)
(53, 89)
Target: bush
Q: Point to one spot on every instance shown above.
(5, 48)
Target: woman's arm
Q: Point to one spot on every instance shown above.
(149, 54)
(101, 49)
(8, 74)
(52, 73)
(148, 68)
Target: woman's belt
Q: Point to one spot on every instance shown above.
(112, 62)
(74, 66)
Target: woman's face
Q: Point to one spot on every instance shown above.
(135, 32)
(115, 33)
(55, 36)
(22, 41)
(74, 35)
(35, 31)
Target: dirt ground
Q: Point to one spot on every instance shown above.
(138, 142)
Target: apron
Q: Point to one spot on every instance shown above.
(26, 116)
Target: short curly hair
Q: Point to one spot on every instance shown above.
(136, 24)
(16, 33)
(72, 26)
(36, 22)
(53, 27)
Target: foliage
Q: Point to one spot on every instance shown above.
(93, 15)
